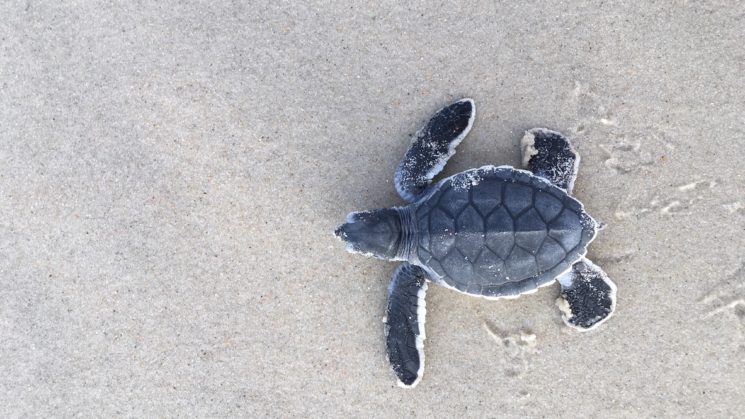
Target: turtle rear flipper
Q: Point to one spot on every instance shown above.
(434, 144)
(588, 296)
(404, 330)
(550, 155)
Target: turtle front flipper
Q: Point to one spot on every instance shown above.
(434, 144)
(588, 296)
(550, 155)
(404, 324)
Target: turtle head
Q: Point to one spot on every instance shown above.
(376, 233)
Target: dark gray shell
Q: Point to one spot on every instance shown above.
(498, 231)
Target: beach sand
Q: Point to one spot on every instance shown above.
(171, 175)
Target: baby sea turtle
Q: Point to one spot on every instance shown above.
(493, 232)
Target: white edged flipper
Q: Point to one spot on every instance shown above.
(404, 324)
(550, 155)
(588, 296)
(434, 144)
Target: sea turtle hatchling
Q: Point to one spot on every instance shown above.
(493, 232)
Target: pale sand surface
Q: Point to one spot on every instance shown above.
(171, 173)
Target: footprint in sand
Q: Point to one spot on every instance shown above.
(519, 348)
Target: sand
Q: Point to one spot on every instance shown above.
(171, 174)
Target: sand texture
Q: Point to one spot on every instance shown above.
(171, 174)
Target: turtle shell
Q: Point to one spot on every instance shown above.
(498, 231)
